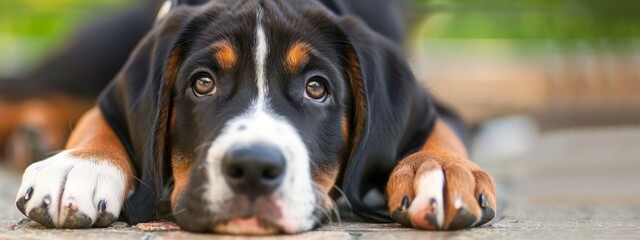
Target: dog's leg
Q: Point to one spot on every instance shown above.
(33, 127)
(7, 123)
(82, 186)
(439, 188)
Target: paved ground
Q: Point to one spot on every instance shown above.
(582, 184)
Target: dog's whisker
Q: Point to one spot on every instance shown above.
(324, 210)
(344, 195)
(336, 210)
(179, 211)
(206, 144)
(141, 182)
(316, 220)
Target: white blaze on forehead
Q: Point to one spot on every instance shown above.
(260, 59)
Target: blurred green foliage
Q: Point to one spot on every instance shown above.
(30, 29)
(526, 19)
(46, 17)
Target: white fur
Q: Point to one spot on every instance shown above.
(164, 10)
(430, 185)
(81, 178)
(259, 125)
(295, 194)
(458, 203)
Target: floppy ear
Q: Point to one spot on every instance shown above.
(137, 103)
(391, 114)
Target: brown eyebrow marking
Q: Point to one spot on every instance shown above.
(297, 56)
(225, 54)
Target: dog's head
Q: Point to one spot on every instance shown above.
(257, 109)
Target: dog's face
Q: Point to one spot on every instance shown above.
(257, 108)
(259, 120)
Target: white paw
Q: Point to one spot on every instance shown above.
(69, 191)
(429, 187)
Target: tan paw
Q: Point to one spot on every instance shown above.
(440, 192)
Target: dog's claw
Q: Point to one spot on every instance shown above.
(22, 202)
(487, 212)
(482, 200)
(29, 194)
(401, 214)
(46, 200)
(102, 206)
(434, 205)
(405, 203)
(104, 218)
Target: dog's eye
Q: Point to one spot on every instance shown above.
(203, 85)
(316, 89)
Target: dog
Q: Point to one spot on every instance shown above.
(258, 111)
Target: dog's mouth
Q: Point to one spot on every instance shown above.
(252, 225)
(240, 215)
(245, 216)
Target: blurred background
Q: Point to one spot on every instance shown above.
(31, 30)
(551, 88)
(568, 62)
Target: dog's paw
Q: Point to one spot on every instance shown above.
(71, 190)
(440, 192)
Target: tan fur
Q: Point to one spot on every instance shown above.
(94, 139)
(181, 168)
(358, 93)
(346, 130)
(180, 162)
(225, 54)
(326, 179)
(297, 56)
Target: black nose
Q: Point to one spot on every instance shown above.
(254, 170)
